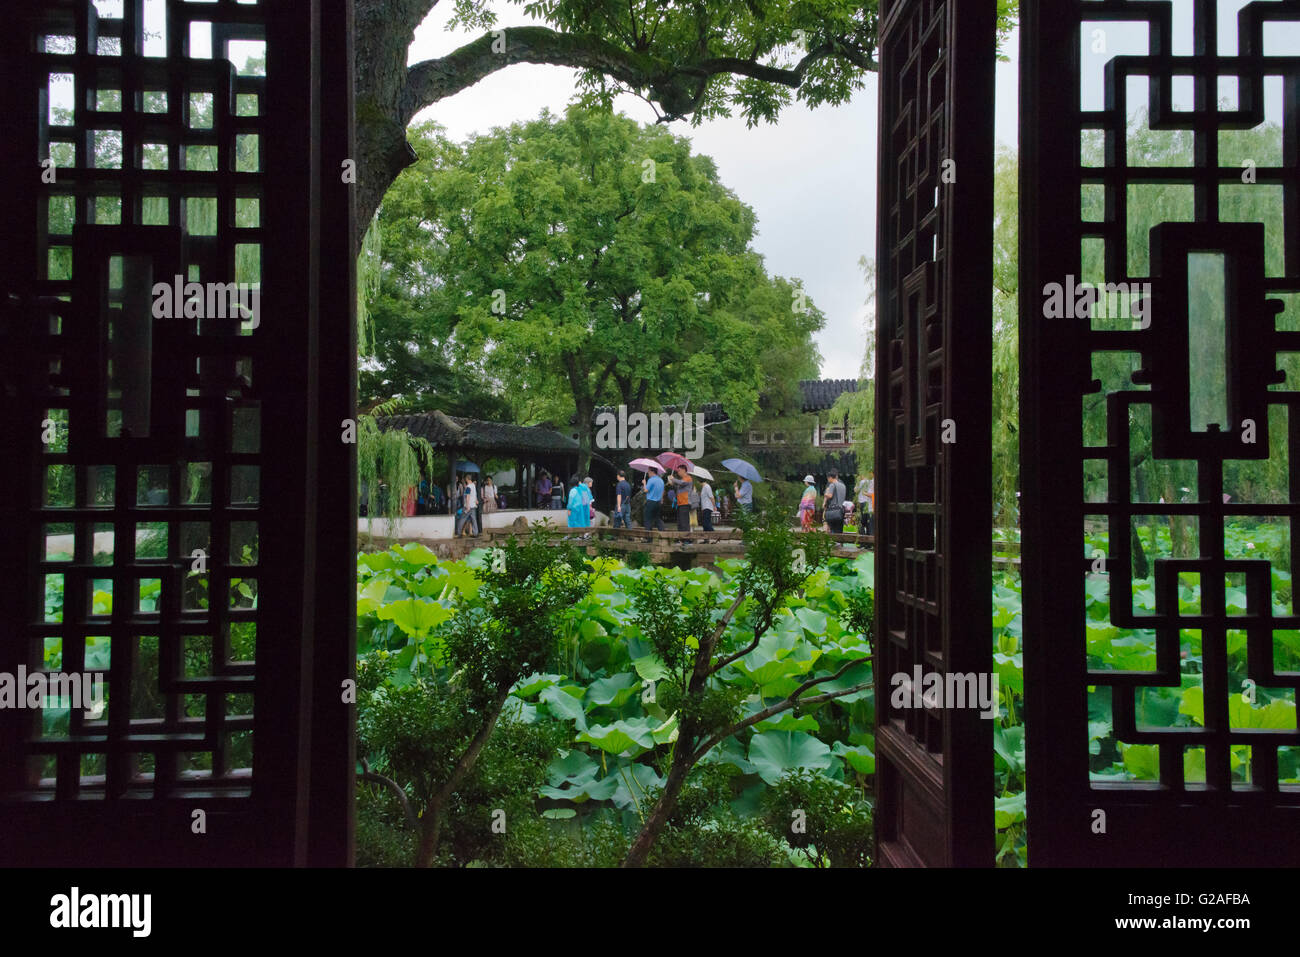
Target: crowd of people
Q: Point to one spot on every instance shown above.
(837, 507)
(674, 492)
(693, 503)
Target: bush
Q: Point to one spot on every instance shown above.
(382, 838)
(827, 820)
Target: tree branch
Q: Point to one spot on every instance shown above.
(791, 701)
(431, 80)
(727, 615)
(792, 77)
(367, 775)
(759, 632)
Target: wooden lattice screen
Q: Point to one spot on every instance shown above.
(171, 456)
(935, 769)
(1159, 155)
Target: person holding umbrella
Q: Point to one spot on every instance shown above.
(744, 494)
(743, 489)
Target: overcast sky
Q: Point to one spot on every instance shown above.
(811, 178)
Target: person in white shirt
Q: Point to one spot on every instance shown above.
(867, 502)
(471, 504)
(707, 507)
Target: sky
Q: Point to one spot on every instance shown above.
(811, 178)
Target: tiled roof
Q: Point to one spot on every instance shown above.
(446, 431)
(820, 394)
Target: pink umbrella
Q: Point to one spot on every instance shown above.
(645, 465)
(670, 460)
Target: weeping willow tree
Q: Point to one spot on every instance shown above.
(1006, 340)
(1167, 480)
(389, 462)
(860, 406)
(369, 273)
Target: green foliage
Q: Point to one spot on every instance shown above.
(439, 656)
(1006, 339)
(369, 276)
(506, 630)
(415, 731)
(837, 38)
(380, 838)
(828, 821)
(593, 236)
(860, 407)
(607, 693)
(389, 463)
(860, 613)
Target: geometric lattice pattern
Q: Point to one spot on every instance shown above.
(913, 359)
(146, 569)
(1201, 125)
(933, 374)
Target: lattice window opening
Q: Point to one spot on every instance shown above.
(97, 117)
(1186, 131)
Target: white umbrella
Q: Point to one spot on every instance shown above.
(701, 472)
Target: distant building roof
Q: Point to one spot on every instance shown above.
(447, 431)
(820, 394)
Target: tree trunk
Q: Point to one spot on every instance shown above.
(654, 824)
(383, 35)
(388, 94)
(584, 405)
(431, 830)
(1141, 568)
(584, 452)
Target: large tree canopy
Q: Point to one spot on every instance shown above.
(706, 58)
(582, 261)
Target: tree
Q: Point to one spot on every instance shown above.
(1148, 204)
(389, 463)
(581, 261)
(860, 407)
(697, 640)
(699, 60)
(432, 723)
(1169, 480)
(1006, 339)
